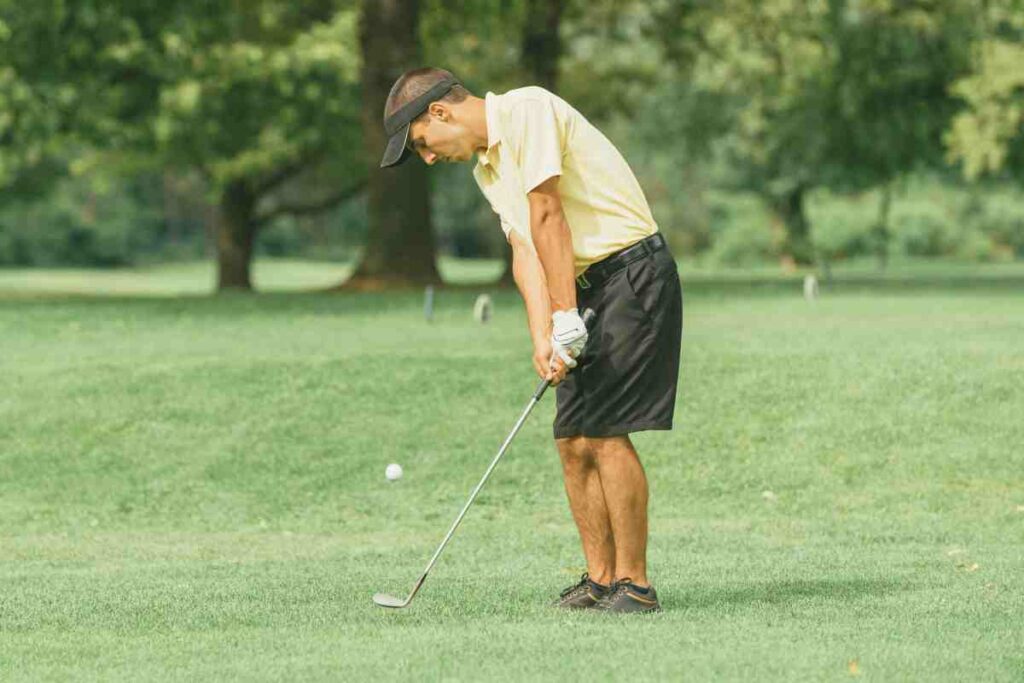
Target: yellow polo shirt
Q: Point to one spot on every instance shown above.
(533, 135)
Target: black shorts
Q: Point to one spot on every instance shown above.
(626, 376)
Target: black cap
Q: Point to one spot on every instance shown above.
(397, 125)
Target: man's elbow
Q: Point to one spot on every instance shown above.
(545, 205)
(546, 218)
(546, 215)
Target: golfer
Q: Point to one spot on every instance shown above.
(582, 236)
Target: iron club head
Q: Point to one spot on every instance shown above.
(385, 600)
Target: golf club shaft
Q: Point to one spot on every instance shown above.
(588, 318)
(519, 423)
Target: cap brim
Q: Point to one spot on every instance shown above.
(396, 152)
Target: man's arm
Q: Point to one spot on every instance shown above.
(553, 242)
(529, 277)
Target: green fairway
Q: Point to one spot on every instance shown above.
(192, 488)
(200, 277)
(291, 275)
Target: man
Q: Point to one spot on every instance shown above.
(582, 235)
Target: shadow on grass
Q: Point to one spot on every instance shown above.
(782, 592)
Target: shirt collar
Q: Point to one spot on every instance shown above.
(493, 128)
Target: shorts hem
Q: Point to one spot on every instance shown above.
(613, 430)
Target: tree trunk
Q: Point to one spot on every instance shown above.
(400, 247)
(236, 232)
(542, 48)
(789, 208)
(542, 43)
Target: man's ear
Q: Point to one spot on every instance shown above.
(440, 110)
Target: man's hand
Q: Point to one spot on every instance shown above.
(542, 363)
(568, 336)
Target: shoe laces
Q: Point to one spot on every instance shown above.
(576, 588)
(617, 588)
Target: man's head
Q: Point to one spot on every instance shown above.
(426, 114)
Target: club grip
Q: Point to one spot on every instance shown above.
(588, 320)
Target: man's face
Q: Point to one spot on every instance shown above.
(438, 137)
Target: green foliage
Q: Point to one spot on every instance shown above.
(235, 90)
(888, 99)
(987, 136)
(30, 112)
(998, 213)
(770, 62)
(83, 224)
(464, 222)
(930, 218)
(925, 229)
(334, 235)
(241, 108)
(843, 224)
(708, 101)
(740, 230)
(818, 93)
(610, 65)
(477, 40)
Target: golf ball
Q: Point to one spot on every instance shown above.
(393, 472)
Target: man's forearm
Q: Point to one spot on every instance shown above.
(529, 277)
(553, 242)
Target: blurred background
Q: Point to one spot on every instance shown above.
(198, 137)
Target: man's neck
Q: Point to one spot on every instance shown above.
(476, 121)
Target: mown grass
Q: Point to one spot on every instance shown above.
(277, 275)
(191, 488)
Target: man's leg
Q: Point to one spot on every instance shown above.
(587, 502)
(625, 493)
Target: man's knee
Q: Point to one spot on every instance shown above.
(610, 447)
(575, 453)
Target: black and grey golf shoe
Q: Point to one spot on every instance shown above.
(624, 596)
(582, 595)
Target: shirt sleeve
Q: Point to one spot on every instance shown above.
(536, 141)
(506, 227)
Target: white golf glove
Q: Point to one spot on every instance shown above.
(568, 336)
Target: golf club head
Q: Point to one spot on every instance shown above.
(385, 600)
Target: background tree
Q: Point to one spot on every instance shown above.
(400, 246)
(988, 136)
(33, 108)
(891, 68)
(251, 96)
(838, 94)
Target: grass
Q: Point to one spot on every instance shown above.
(192, 278)
(191, 488)
(276, 275)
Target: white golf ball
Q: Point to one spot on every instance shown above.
(393, 472)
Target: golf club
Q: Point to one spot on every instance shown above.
(385, 600)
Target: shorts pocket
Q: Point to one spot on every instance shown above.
(642, 278)
(647, 278)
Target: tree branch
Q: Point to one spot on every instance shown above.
(286, 171)
(318, 206)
